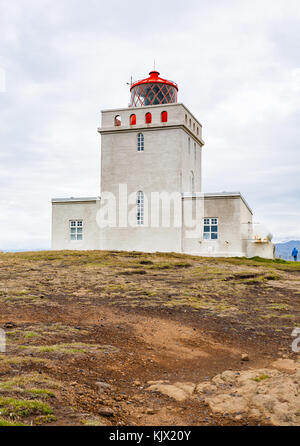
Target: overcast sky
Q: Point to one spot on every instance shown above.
(237, 64)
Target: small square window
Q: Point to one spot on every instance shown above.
(76, 230)
(210, 228)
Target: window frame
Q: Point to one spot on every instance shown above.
(76, 230)
(140, 208)
(211, 223)
(140, 142)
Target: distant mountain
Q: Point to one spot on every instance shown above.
(284, 250)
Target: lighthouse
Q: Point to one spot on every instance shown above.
(151, 196)
(152, 146)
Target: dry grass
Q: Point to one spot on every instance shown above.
(252, 293)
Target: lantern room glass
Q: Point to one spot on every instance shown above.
(153, 94)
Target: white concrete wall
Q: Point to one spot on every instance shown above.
(165, 165)
(172, 153)
(264, 249)
(63, 212)
(157, 169)
(178, 114)
(232, 214)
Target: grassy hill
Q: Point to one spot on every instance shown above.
(87, 332)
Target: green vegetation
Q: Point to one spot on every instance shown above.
(4, 422)
(44, 419)
(68, 348)
(22, 408)
(92, 421)
(261, 377)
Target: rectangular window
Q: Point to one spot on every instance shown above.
(140, 208)
(76, 230)
(141, 142)
(210, 229)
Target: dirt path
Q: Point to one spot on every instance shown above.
(150, 348)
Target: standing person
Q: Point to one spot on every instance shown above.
(295, 254)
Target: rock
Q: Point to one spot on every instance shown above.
(228, 376)
(106, 412)
(286, 365)
(205, 388)
(225, 403)
(9, 325)
(254, 413)
(136, 383)
(178, 391)
(245, 357)
(157, 382)
(150, 412)
(102, 386)
(74, 383)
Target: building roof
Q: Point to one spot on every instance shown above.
(154, 78)
(73, 199)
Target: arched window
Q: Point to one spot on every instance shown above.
(148, 118)
(164, 116)
(140, 208)
(194, 127)
(132, 119)
(186, 119)
(140, 142)
(197, 130)
(118, 121)
(190, 123)
(189, 145)
(195, 151)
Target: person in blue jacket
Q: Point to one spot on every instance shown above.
(295, 254)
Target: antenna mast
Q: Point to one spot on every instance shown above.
(131, 81)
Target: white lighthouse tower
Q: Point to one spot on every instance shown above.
(151, 187)
(153, 146)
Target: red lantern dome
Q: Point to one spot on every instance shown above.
(153, 91)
